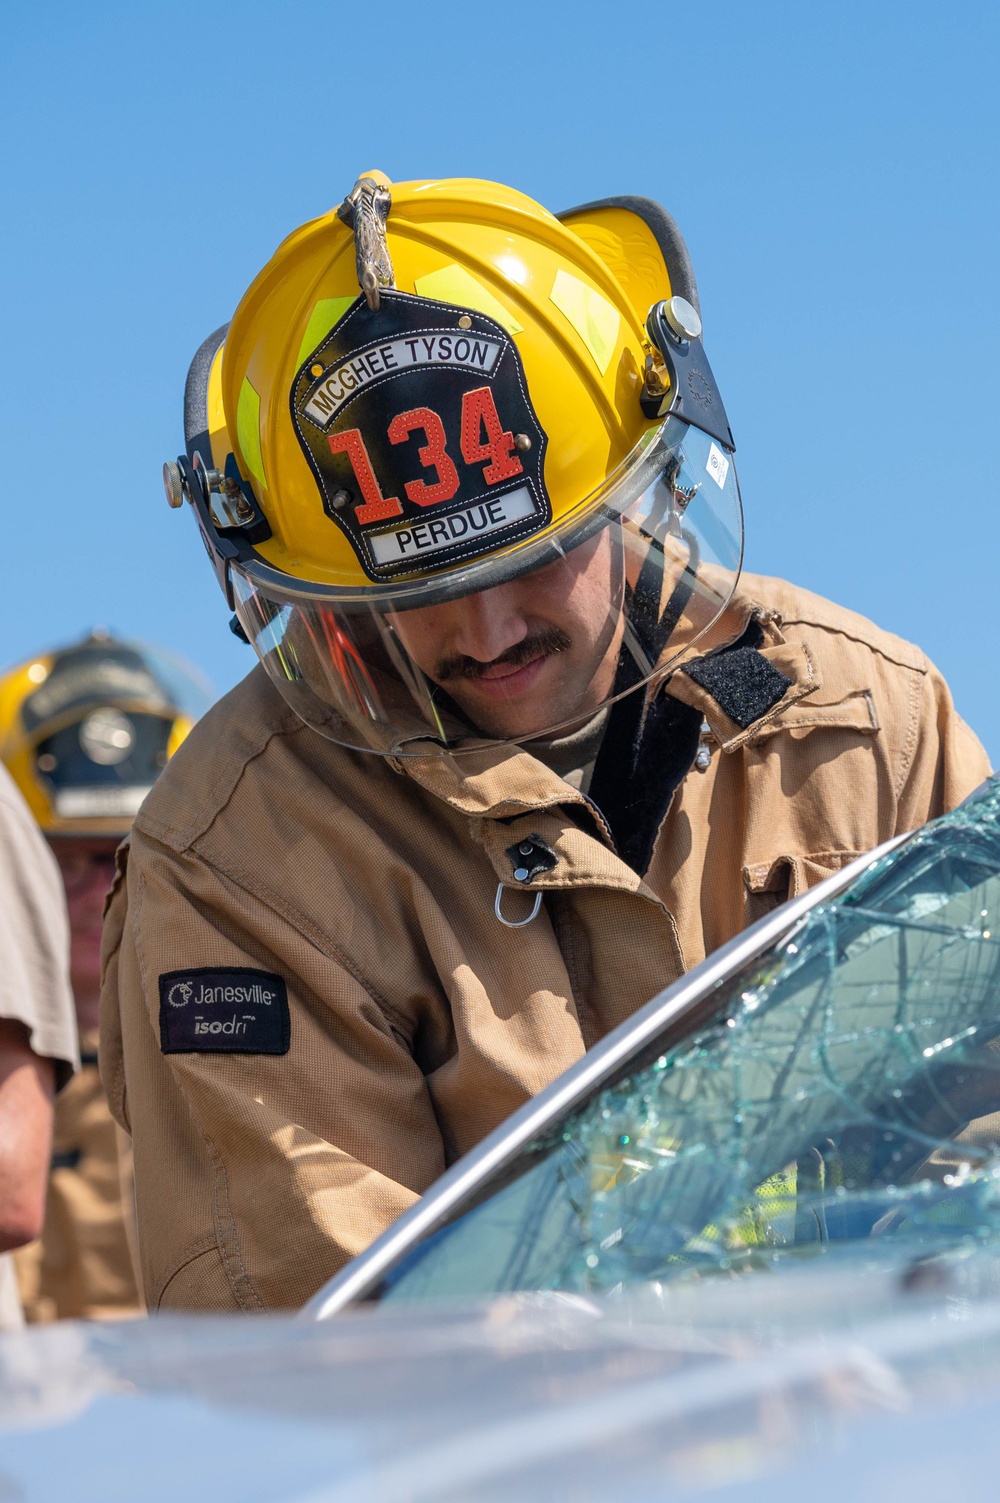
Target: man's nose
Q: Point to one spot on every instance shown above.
(488, 624)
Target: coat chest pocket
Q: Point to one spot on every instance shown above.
(768, 884)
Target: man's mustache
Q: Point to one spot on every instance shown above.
(539, 644)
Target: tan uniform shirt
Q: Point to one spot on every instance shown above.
(34, 936)
(268, 858)
(34, 956)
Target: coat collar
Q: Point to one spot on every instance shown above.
(502, 782)
(494, 782)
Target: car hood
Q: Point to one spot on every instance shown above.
(874, 1378)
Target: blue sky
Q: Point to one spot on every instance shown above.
(832, 167)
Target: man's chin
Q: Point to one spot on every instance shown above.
(521, 706)
(507, 706)
(506, 721)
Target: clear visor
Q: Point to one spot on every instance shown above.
(528, 642)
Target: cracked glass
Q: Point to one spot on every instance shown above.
(842, 1091)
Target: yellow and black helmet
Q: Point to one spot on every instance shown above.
(86, 729)
(505, 384)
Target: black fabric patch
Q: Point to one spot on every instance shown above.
(741, 681)
(648, 747)
(210, 1011)
(643, 759)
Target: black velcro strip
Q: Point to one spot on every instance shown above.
(212, 1011)
(741, 681)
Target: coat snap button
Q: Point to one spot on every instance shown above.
(530, 858)
(703, 756)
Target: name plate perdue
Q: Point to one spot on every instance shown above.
(478, 520)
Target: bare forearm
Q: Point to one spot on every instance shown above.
(26, 1091)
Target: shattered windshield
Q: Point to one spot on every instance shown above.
(847, 1090)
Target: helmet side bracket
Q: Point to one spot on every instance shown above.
(220, 544)
(693, 394)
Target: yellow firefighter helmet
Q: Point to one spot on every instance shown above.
(436, 388)
(86, 729)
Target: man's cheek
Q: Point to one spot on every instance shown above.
(417, 641)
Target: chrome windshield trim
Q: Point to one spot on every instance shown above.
(364, 1272)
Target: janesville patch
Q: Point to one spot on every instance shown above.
(417, 424)
(214, 1011)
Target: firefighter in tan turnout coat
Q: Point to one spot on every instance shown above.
(519, 749)
(85, 730)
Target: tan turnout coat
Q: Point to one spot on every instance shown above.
(417, 1021)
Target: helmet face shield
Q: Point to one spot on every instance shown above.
(522, 643)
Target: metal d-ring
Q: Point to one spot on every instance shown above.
(519, 923)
